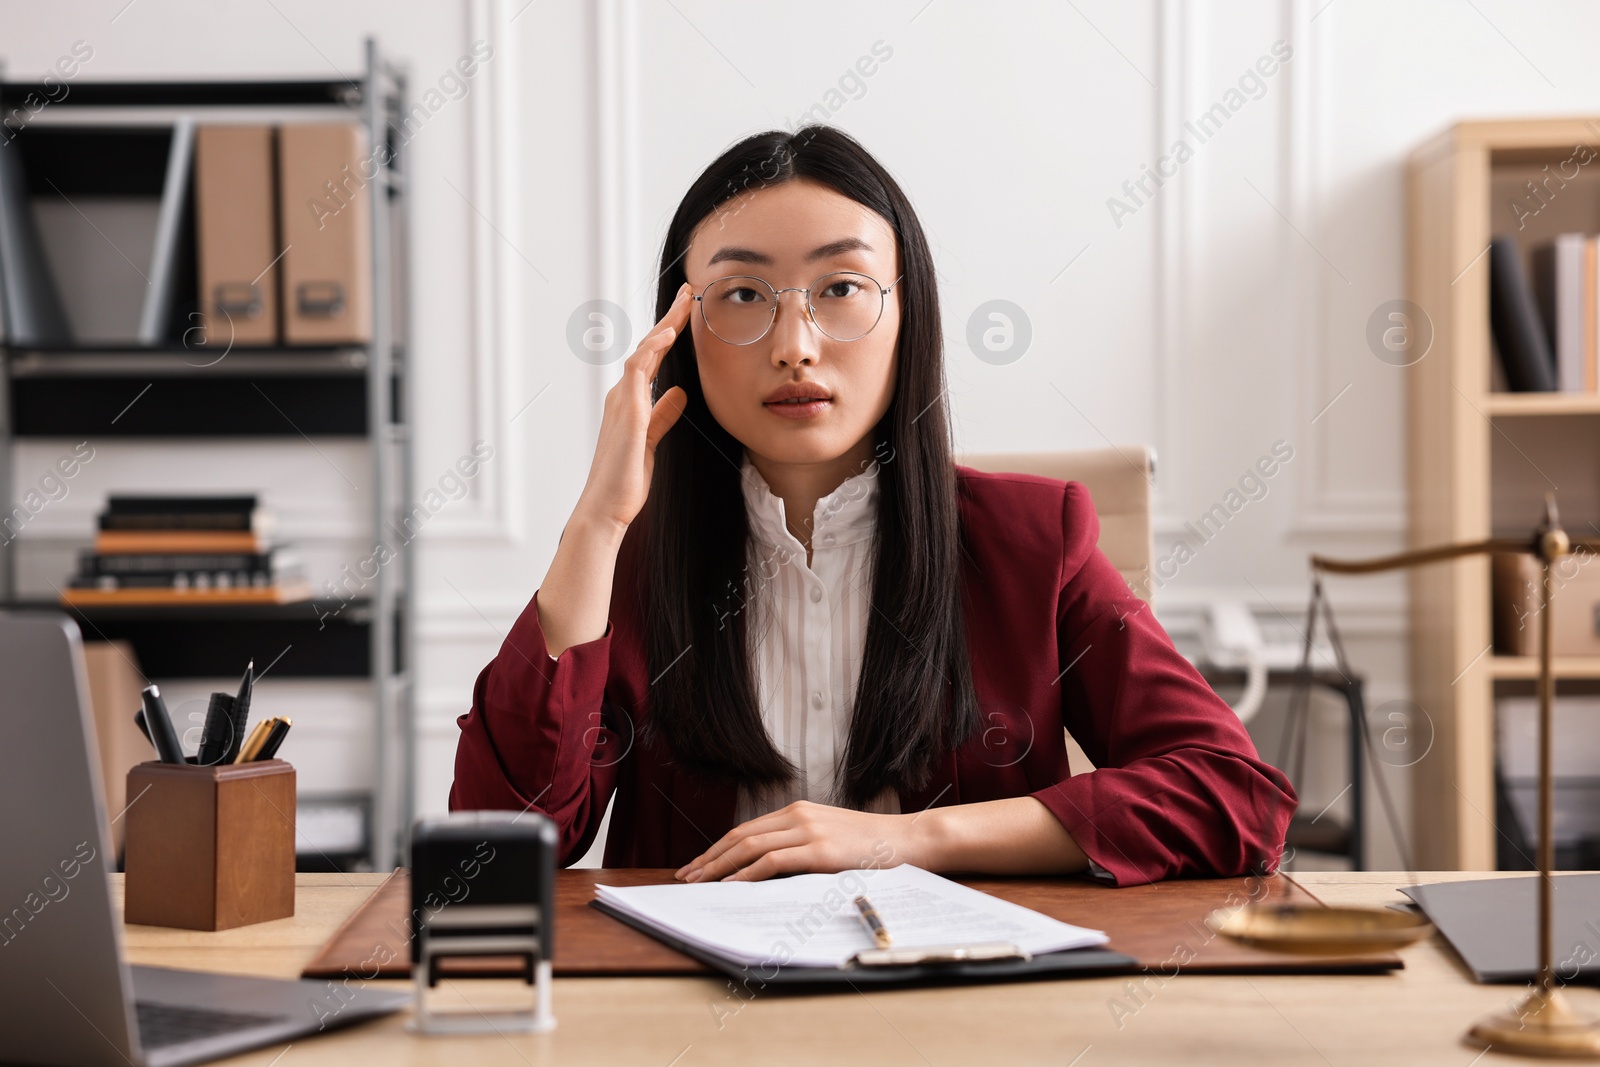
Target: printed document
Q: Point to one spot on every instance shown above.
(810, 920)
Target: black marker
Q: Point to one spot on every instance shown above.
(162, 734)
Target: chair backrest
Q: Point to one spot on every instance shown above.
(1118, 480)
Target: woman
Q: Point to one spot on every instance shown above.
(789, 634)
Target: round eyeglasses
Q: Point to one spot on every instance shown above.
(844, 305)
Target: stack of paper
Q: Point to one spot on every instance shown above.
(810, 920)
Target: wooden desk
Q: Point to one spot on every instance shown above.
(1415, 1016)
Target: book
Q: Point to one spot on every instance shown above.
(1515, 324)
(145, 503)
(124, 512)
(273, 594)
(277, 557)
(120, 541)
(1591, 314)
(181, 581)
(1558, 283)
(809, 921)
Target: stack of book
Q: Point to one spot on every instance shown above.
(186, 550)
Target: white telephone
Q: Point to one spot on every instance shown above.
(1231, 638)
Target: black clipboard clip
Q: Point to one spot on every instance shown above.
(935, 954)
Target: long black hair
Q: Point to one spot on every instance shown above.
(914, 698)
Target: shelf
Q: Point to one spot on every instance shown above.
(205, 405)
(190, 94)
(1528, 667)
(315, 638)
(1542, 404)
(200, 361)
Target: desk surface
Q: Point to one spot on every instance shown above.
(1414, 1016)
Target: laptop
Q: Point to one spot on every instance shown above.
(67, 996)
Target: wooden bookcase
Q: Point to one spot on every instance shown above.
(1481, 458)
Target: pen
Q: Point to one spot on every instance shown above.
(217, 738)
(159, 722)
(269, 747)
(138, 720)
(241, 712)
(869, 917)
(252, 744)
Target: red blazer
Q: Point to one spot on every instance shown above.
(1057, 639)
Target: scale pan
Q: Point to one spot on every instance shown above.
(1318, 929)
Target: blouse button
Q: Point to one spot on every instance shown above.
(816, 698)
(816, 594)
(828, 540)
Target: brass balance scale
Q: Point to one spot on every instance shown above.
(1544, 1023)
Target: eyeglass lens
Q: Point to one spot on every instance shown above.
(741, 309)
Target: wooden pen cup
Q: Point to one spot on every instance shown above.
(210, 848)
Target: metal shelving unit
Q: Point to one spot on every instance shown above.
(350, 391)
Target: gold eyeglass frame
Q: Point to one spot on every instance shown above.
(811, 308)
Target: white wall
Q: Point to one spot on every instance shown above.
(1226, 313)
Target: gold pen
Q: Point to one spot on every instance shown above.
(869, 917)
(247, 750)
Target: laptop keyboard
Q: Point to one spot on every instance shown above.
(161, 1025)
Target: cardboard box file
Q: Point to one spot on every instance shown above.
(237, 232)
(1518, 594)
(325, 183)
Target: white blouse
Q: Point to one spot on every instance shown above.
(806, 629)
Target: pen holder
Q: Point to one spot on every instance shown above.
(210, 848)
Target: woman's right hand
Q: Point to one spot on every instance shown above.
(631, 427)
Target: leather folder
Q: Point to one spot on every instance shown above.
(237, 232)
(325, 193)
(1159, 929)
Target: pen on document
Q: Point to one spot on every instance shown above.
(869, 917)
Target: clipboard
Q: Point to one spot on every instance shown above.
(1071, 963)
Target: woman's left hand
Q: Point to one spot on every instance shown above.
(810, 838)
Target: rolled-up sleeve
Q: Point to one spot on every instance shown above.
(1178, 787)
(533, 737)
